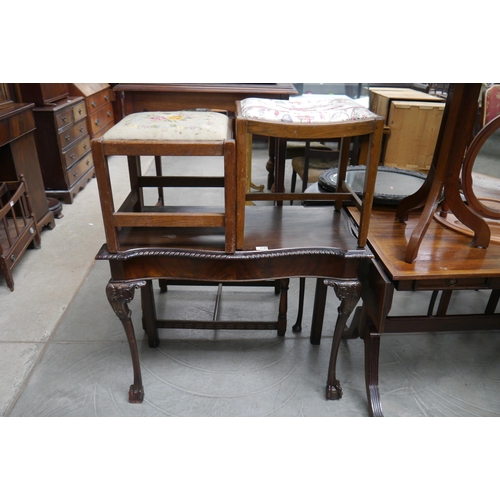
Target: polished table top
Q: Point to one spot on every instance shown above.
(444, 253)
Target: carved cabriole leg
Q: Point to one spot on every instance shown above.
(348, 292)
(372, 350)
(119, 294)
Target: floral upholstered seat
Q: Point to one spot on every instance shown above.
(304, 110)
(171, 126)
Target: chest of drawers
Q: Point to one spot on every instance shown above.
(98, 103)
(63, 145)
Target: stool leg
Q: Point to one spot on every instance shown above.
(161, 199)
(279, 168)
(349, 292)
(283, 307)
(298, 322)
(119, 294)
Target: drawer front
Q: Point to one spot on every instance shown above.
(104, 130)
(98, 100)
(101, 119)
(72, 134)
(451, 283)
(79, 169)
(79, 111)
(76, 152)
(64, 118)
(70, 114)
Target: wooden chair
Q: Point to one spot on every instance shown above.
(309, 166)
(183, 133)
(17, 227)
(294, 149)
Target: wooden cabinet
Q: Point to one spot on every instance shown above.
(413, 132)
(412, 122)
(98, 102)
(63, 145)
(19, 157)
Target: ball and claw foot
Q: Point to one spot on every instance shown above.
(136, 394)
(334, 391)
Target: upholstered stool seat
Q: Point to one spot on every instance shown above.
(170, 126)
(312, 111)
(163, 134)
(305, 110)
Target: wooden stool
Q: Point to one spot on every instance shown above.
(302, 119)
(183, 133)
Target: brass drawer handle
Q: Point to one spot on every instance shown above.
(85, 146)
(108, 113)
(63, 118)
(87, 162)
(80, 129)
(94, 104)
(97, 122)
(106, 98)
(79, 111)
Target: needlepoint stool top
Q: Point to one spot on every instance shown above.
(305, 110)
(171, 126)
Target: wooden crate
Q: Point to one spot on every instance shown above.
(413, 132)
(381, 98)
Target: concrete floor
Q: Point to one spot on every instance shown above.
(63, 351)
